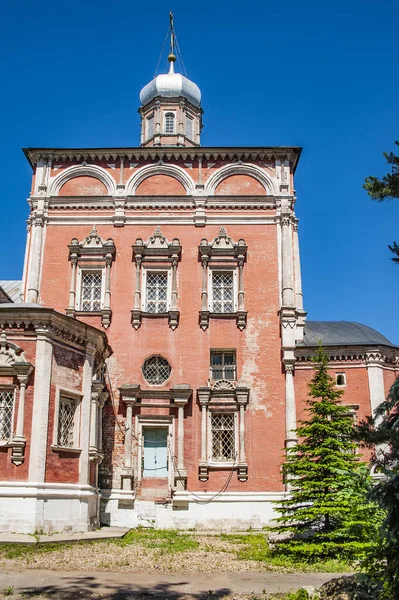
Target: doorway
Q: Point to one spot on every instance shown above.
(155, 452)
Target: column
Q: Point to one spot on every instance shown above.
(93, 421)
(290, 407)
(240, 284)
(174, 285)
(41, 400)
(204, 395)
(375, 374)
(107, 295)
(242, 456)
(128, 432)
(23, 382)
(137, 291)
(287, 278)
(72, 290)
(180, 394)
(204, 291)
(298, 278)
(35, 259)
(85, 414)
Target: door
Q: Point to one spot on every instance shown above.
(155, 462)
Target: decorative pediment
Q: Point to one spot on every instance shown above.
(156, 245)
(223, 245)
(12, 358)
(93, 244)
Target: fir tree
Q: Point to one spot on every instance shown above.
(385, 188)
(381, 432)
(327, 512)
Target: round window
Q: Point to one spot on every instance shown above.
(156, 370)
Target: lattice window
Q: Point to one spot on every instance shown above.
(223, 365)
(223, 437)
(157, 292)
(156, 370)
(6, 412)
(91, 291)
(66, 422)
(169, 123)
(222, 292)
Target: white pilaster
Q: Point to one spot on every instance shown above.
(41, 401)
(35, 259)
(85, 416)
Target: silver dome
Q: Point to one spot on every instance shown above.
(171, 85)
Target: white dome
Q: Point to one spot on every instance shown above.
(171, 85)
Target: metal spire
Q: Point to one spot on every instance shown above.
(172, 57)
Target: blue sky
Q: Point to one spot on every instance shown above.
(316, 74)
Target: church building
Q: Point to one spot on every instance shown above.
(155, 357)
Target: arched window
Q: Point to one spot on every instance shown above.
(169, 122)
(340, 379)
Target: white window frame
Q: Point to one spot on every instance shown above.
(219, 269)
(143, 421)
(77, 397)
(192, 135)
(147, 129)
(223, 463)
(222, 367)
(13, 389)
(341, 385)
(169, 112)
(83, 269)
(144, 275)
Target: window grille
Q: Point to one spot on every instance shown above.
(6, 410)
(91, 291)
(223, 292)
(223, 436)
(189, 128)
(169, 123)
(157, 293)
(150, 127)
(156, 370)
(66, 422)
(223, 365)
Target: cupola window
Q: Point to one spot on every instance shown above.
(189, 128)
(150, 127)
(169, 122)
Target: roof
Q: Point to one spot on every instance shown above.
(342, 333)
(12, 288)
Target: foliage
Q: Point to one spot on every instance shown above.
(327, 513)
(385, 188)
(381, 433)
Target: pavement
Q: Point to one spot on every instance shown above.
(103, 533)
(70, 585)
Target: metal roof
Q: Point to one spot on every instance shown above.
(342, 333)
(12, 288)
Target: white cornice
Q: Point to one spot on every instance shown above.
(292, 153)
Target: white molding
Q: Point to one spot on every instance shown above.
(240, 169)
(160, 169)
(80, 171)
(194, 496)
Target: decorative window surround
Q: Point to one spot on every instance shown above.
(340, 379)
(92, 254)
(179, 395)
(155, 255)
(222, 255)
(63, 395)
(229, 399)
(14, 363)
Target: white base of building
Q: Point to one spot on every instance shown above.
(47, 507)
(228, 511)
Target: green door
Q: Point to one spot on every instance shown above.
(155, 452)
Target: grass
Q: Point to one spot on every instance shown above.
(255, 546)
(170, 541)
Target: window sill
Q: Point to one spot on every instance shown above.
(173, 317)
(241, 468)
(240, 316)
(104, 313)
(65, 450)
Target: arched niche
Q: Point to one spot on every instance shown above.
(240, 185)
(160, 185)
(83, 185)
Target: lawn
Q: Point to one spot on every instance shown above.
(149, 550)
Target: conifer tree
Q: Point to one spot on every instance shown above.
(381, 432)
(327, 512)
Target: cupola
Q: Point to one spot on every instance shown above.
(171, 113)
